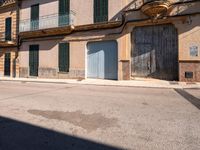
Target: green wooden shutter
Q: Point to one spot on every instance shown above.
(35, 17)
(7, 64)
(100, 10)
(64, 57)
(64, 11)
(8, 29)
(33, 59)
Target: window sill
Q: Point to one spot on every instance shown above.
(62, 72)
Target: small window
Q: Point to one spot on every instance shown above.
(63, 57)
(194, 52)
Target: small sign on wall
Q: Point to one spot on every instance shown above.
(194, 51)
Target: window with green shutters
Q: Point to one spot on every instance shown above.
(35, 17)
(100, 11)
(64, 10)
(63, 57)
(8, 29)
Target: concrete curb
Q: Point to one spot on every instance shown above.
(132, 83)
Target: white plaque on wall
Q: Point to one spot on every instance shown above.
(194, 52)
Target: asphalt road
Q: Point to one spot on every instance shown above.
(37, 116)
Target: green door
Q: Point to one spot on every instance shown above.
(33, 60)
(35, 17)
(64, 9)
(8, 29)
(7, 64)
(100, 11)
(63, 57)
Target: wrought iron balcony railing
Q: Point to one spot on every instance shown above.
(147, 1)
(6, 2)
(45, 22)
(8, 37)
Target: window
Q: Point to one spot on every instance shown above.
(100, 11)
(8, 29)
(64, 10)
(63, 57)
(35, 17)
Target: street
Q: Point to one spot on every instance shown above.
(45, 116)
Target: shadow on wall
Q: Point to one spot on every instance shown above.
(106, 34)
(15, 135)
(27, 5)
(189, 28)
(103, 58)
(155, 52)
(47, 45)
(131, 5)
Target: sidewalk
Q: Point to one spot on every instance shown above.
(137, 82)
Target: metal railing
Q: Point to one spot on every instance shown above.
(48, 21)
(6, 37)
(147, 1)
(6, 2)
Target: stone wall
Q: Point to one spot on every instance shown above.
(189, 67)
(52, 73)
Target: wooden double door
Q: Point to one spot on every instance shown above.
(155, 52)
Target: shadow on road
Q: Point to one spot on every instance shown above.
(193, 100)
(16, 135)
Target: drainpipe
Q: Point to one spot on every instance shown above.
(141, 20)
(17, 36)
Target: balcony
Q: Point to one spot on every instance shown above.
(4, 3)
(9, 39)
(53, 24)
(155, 8)
(45, 22)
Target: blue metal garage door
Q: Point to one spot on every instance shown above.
(102, 60)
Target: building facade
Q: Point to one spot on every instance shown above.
(8, 38)
(109, 39)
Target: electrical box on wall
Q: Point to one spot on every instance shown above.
(189, 75)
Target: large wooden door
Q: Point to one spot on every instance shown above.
(155, 52)
(33, 60)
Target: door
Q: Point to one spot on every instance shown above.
(63, 57)
(8, 29)
(7, 64)
(142, 52)
(35, 17)
(102, 60)
(155, 52)
(64, 10)
(33, 60)
(100, 11)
